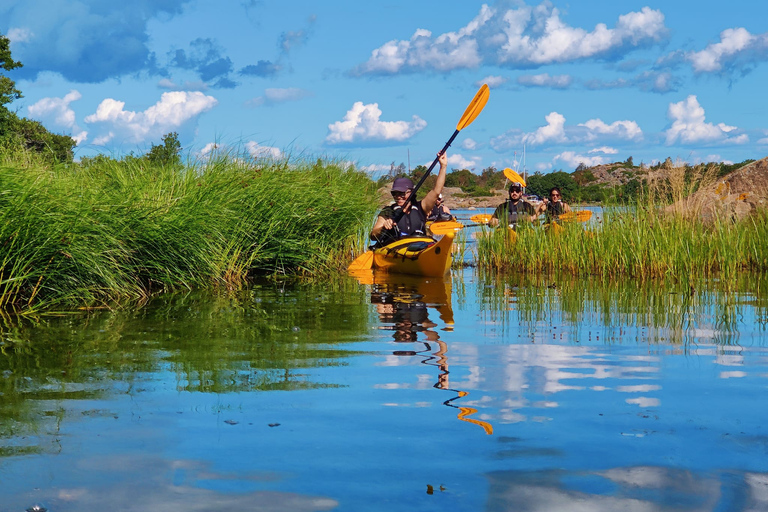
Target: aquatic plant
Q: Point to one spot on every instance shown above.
(662, 235)
(86, 235)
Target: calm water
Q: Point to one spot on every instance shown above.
(469, 393)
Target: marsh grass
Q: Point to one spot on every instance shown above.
(122, 230)
(653, 239)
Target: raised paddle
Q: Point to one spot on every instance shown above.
(470, 114)
(443, 228)
(514, 177)
(365, 260)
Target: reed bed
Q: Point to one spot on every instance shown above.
(652, 239)
(87, 236)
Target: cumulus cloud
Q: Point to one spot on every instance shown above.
(552, 132)
(56, 113)
(273, 96)
(469, 144)
(604, 149)
(83, 41)
(519, 38)
(458, 161)
(492, 81)
(737, 48)
(362, 125)
(174, 112)
(544, 80)
(597, 129)
(689, 126)
(256, 150)
(555, 132)
(206, 58)
(573, 159)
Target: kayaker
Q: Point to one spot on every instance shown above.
(414, 219)
(554, 206)
(440, 211)
(514, 210)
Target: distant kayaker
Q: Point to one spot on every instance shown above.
(514, 210)
(440, 211)
(554, 206)
(414, 219)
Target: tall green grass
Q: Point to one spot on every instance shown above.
(116, 230)
(648, 240)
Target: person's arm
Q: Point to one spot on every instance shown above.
(566, 208)
(381, 224)
(446, 209)
(431, 198)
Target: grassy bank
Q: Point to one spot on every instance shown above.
(88, 235)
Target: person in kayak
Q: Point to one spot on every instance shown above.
(554, 206)
(514, 210)
(414, 219)
(440, 211)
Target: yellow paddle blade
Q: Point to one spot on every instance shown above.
(443, 228)
(464, 414)
(578, 216)
(514, 177)
(474, 108)
(481, 218)
(362, 262)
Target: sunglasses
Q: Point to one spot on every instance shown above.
(554, 195)
(398, 194)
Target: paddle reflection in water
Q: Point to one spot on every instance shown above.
(403, 304)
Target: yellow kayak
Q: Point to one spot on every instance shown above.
(416, 255)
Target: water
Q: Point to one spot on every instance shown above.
(468, 393)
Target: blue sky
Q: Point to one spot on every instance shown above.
(376, 83)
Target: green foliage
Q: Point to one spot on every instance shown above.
(8, 90)
(541, 184)
(109, 230)
(167, 154)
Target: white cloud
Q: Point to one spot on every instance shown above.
(56, 113)
(597, 129)
(375, 168)
(279, 95)
(492, 81)
(174, 112)
(256, 150)
(689, 126)
(469, 144)
(648, 81)
(572, 159)
(457, 161)
(20, 35)
(605, 150)
(735, 43)
(519, 38)
(553, 131)
(362, 125)
(544, 80)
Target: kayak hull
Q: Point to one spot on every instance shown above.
(416, 255)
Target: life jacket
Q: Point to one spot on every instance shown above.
(554, 210)
(438, 213)
(513, 209)
(412, 223)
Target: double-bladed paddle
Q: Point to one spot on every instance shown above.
(365, 260)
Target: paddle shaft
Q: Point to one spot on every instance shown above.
(399, 213)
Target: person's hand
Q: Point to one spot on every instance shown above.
(388, 224)
(443, 159)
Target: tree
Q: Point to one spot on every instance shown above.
(167, 154)
(18, 133)
(8, 90)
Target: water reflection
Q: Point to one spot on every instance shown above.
(403, 304)
(265, 338)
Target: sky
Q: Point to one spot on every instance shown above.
(382, 83)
